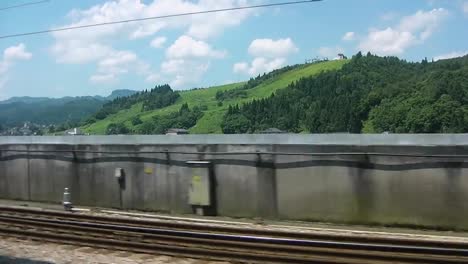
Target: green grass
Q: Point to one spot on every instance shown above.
(211, 120)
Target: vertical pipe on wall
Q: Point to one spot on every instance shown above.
(28, 176)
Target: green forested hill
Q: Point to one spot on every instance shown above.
(370, 94)
(200, 110)
(367, 94)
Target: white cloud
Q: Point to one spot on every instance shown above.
(10, 56)
(147, 30)
(153, 78)
(184, 72)
(451, 55)
(268, 55)
(3, 81)
(16, 53)
(187, 60)
(213, 24)
(103, 78)
(118, 59)
(258, 66)
(171, 66)
(91, 43)
(118, 63)
(241, 67)
(3, 67)
(423, 23)
(270, 48)
(465, 7)
(187, 47)
(158, 42)
(77, 52)
(95, 46)
(348, 36)
(411, 30)
(388, 41)
(85, 45)
(264, 65)
(330, 52)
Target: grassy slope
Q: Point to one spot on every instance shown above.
(210, 122)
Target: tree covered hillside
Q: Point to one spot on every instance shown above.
(48, 111)
(158, 97)
(370, 94)
(63, 113)
(199, 110)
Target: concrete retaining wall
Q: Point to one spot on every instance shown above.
(383, 179)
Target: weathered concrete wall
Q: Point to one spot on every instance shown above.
(427, 187)
(340, 178)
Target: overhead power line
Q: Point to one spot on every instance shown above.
(157, 17)
(24, 4)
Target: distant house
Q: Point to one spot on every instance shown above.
(177, 131)
(272, 131)
(341, 56)
(25, 130)
(74, 132)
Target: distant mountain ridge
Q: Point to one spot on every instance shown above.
(29, 99)
(47, 111)
(120, 93)
(24, 99)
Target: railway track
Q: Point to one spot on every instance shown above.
(227, 243)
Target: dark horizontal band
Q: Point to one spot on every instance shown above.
(251, 163)
(231, 153)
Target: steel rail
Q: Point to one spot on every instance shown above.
(258, 239)
(231, 229)
(248, 247)
(179, 251)
(215, 252)
(243, 246)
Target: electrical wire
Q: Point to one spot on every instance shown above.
(24, 4)
(157, 17)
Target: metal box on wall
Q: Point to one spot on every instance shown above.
(200, 193)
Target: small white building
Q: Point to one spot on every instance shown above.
(341, 56)
(74, 132)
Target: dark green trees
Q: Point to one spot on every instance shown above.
(185, 118)
(136, 121)
(369, 94)
(234, 122)
(117, 129)
(159, 97)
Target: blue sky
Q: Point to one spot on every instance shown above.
(206, 50)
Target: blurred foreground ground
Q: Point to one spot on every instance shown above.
(31, 252)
